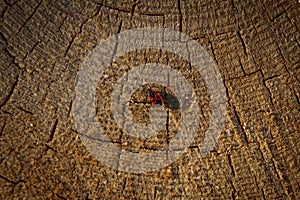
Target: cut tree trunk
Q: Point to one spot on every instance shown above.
(255, 45)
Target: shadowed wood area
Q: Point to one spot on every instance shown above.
(255, 45)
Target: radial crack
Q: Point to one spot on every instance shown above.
(11, 91)
(53, 130)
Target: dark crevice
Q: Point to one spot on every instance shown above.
(227, 92)
(11, 181)
(240, 62)
(70, 108)
(112, 8)
(269, 93)
(238, 124)
(10, 55)
(155, 192)
(30, 17)
(238, 31)
(31, 50)
(24, 110)
(167, 125)
(168, 132)
(87, 197)
(120, 27)
(271, 77)
(124, 185)
(81, 26)
(153, 14)
(243, 42)
(230, 164)
(254, 72)
(52, 131)
(11, 91)
(48, 147)
(180, 15)
(168, 116)
(233, 5)
(61, 24)
(263, 194)
(97, 186)
(213, 51)
(133, 7)
(267, 12)
(277, 16)
(189, 57)
(2, 129)
(241, 77)
(233, 192)
(69, 45)
(6, 112)
(276, 172)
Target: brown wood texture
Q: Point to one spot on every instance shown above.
(256, 47)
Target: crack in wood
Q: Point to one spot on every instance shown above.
(11, 181)
(52, 131)
(31, 50)
(263, 194)
(233, 192)
(239, 125)
(268, 92)
(135, 2)
(243, 42)
(277, 161)
(11, 91)
(30, 17)
(24, 110)
(213, 51)
(112, 8)
(230, 164)
(2, 128)
(180, 15)
(69, 45)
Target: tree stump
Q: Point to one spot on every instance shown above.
(255, 46)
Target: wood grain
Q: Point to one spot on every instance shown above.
(256, 47)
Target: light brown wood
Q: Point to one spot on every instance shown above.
(255, 45)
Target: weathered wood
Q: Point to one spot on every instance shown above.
(256, 47)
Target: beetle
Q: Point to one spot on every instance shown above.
(154, 97)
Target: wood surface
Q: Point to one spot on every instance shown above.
(255, 45)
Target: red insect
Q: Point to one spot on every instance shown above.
(154, 97)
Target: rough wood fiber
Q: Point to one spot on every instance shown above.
(256, 47)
